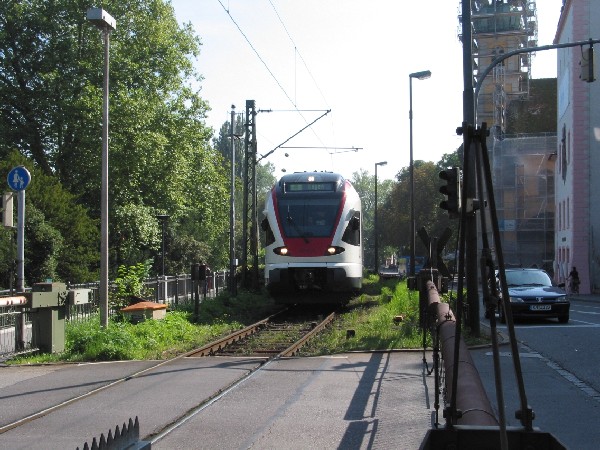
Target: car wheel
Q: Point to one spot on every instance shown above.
(563, 319)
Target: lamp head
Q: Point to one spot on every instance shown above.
(423, 75)
(101, 19)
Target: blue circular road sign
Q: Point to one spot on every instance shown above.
(18, 178)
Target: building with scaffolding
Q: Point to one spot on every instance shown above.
(524, 193)
(520, 114)
(499, 27)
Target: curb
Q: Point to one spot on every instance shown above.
(503, 338)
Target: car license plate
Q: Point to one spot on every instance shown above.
(540, 307)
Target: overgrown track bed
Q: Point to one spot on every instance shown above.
(280, 335)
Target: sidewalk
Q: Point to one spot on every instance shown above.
(592, 298)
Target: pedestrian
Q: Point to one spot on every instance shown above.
(574, 281)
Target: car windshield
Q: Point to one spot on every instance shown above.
(527, 278)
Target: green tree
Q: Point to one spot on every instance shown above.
(222, 143)
(42, 256)
(57, 227)
(160, 157)
(451, 160)
(428, 214)
(364, 183)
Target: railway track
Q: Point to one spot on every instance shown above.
(280, 335)
(277, 336)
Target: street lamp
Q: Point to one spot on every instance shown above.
(106, 23)
(423, 75)
(382, 163)
(232, 261)
(163, 219)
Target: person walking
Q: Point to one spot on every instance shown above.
(574, 281)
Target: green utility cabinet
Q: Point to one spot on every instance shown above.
(48, 307)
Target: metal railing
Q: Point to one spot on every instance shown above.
(177, 291)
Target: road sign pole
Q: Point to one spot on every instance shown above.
(21, 241)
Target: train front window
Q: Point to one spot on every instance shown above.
(304, 219)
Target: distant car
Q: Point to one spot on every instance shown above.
(389, 272)
(533, 295)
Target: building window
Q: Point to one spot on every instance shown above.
(563, 153)
(569, 146)
(559, 216)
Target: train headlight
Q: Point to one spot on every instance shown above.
(334, 250)
(283, 251)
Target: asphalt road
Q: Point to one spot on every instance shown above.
(347, 401)
(560, 365)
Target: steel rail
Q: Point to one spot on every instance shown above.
(293, 349)
(213, 347)
(50, 409)
(290, 351)
(202, 351)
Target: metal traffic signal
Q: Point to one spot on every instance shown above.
(587, 65)
(452, 189)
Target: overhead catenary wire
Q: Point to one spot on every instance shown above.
(256, 52)
(271, 72)
(297, 52)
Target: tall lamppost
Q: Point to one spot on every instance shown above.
(163, 219)
(382, 163)
(106, 23)
(419, 76)
(232, 261)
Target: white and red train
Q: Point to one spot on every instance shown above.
(313, 238)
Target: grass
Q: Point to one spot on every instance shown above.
(156, 339)
(384, 317)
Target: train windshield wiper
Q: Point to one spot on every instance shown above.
(295, 226)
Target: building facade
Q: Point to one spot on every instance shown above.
(577, 166)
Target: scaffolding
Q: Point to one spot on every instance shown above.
(498, 27)
(523, 176)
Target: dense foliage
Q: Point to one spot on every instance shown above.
(364, 183)
(160, 158)
(61, 237)
(396, 213)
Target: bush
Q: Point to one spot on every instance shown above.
(130, 283)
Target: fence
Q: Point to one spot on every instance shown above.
(176, 291)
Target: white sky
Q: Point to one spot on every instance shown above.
(350, 56)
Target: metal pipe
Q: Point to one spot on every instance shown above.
(471, 398)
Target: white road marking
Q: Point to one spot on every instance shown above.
(570, 377)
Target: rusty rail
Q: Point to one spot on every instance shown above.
(213, 347)
(293, 349)
(471, 399)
